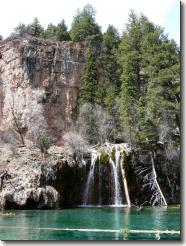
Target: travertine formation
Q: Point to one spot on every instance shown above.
(29, 180)
(39, 80)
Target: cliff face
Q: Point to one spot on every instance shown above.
(39, 80)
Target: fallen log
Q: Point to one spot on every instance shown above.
(123, 231)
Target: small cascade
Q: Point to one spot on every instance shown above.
(100, 183)
(118, 201)
(116, 169)
(117, 157)
(90, 180)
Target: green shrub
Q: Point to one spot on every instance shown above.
(43, 141)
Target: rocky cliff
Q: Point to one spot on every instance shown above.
(39, 80)
(39, 84)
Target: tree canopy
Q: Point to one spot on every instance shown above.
(150, 80)
(84, 25)
(34, 29)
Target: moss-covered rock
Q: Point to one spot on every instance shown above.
(104, 158)
(113, 153)
(124, 159)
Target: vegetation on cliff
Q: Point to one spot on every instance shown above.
(129, 91)
(132, 79)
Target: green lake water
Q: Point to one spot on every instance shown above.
(28, 224)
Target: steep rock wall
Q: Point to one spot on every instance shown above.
(39, 79)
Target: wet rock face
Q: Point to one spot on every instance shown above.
(40, 79)
(70, 182)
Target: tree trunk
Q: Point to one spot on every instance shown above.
(125, 185)
(155, 180)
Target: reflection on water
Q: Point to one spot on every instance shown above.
(126, 221)
(127, 216)
(158, 215)
(159, 218)
(116, 223)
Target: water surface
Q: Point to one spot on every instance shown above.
(30, 221)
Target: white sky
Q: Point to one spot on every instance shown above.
(115, 12)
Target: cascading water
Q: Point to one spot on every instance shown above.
(107, 173)
(117, 158)
(115, 168)
(100, 183)
(103, 185)
(90, 180)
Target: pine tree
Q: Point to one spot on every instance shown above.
(35, 29)
(130, 60)
(85, 29)
(109, 74)
(84, 25)
(59, 32)
(62, 33)
(161, 61)
(89, 79)
(150, 82)
(50, 32)
(146, 127)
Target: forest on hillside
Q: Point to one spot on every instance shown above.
(130, 89)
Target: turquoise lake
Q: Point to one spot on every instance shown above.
(41, 224)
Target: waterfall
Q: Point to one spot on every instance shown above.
(107, 173)
(100, 183)
(105, 176)
(118, 201)
(90, 179)
(117, 157)
(115, 168)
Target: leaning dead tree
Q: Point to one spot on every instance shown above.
(149, 176)
(125, 184)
